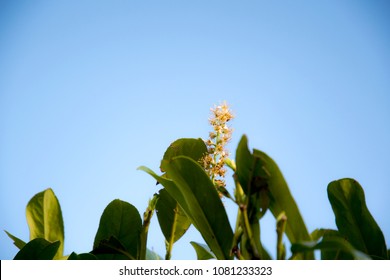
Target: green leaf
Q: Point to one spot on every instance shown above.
(111, 249)
(122, 221)
(202, 251)
(258, 173)
(245, 165)
(329, 234)
(197, 196)
(281, 200)
(333, 243)
(194, 149)
(251, 178)
(261, 180)
(331, 254)
(169, 185)
(151, 255)
(44, 218)
(317, 234)
(354, 220)
(172, 189)
(83, 256)
(38, 249)
(18, 242)
(190, 147)
(172, 219)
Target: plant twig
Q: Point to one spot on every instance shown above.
(148, 214)
(280, 229)
(172, 237)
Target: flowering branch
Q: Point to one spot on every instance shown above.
(214, 161)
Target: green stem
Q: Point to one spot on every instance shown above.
(256, 247)
(237, 236)
(280, 229)
(145, 227)
(238, 231)
(249, 232)
(172, 237)
(243, 219)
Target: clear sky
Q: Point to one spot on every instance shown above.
(90, 90)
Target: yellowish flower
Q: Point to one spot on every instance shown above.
(214, 161)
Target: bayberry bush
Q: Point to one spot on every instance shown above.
(193, 187)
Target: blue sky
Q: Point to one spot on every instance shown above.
(90, 90)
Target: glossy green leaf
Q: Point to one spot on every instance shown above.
(111, 249)
(202, 251)
(17, 242)
(198, 197)
(190, 147)
(172, 219)
(38, 249)
(169, 185)
(354, 220)
(193, 148)
(174, 192)
(44, 218)
(317, 234)
(330, 244)
(252, 179)
(83, 256)
(281, 200)
(332, 254)
(122, 221)
(184, 196)
(151, 255)
(338, 254)
(247, 167)
(258, 172)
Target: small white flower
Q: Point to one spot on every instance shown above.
(214, 161)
